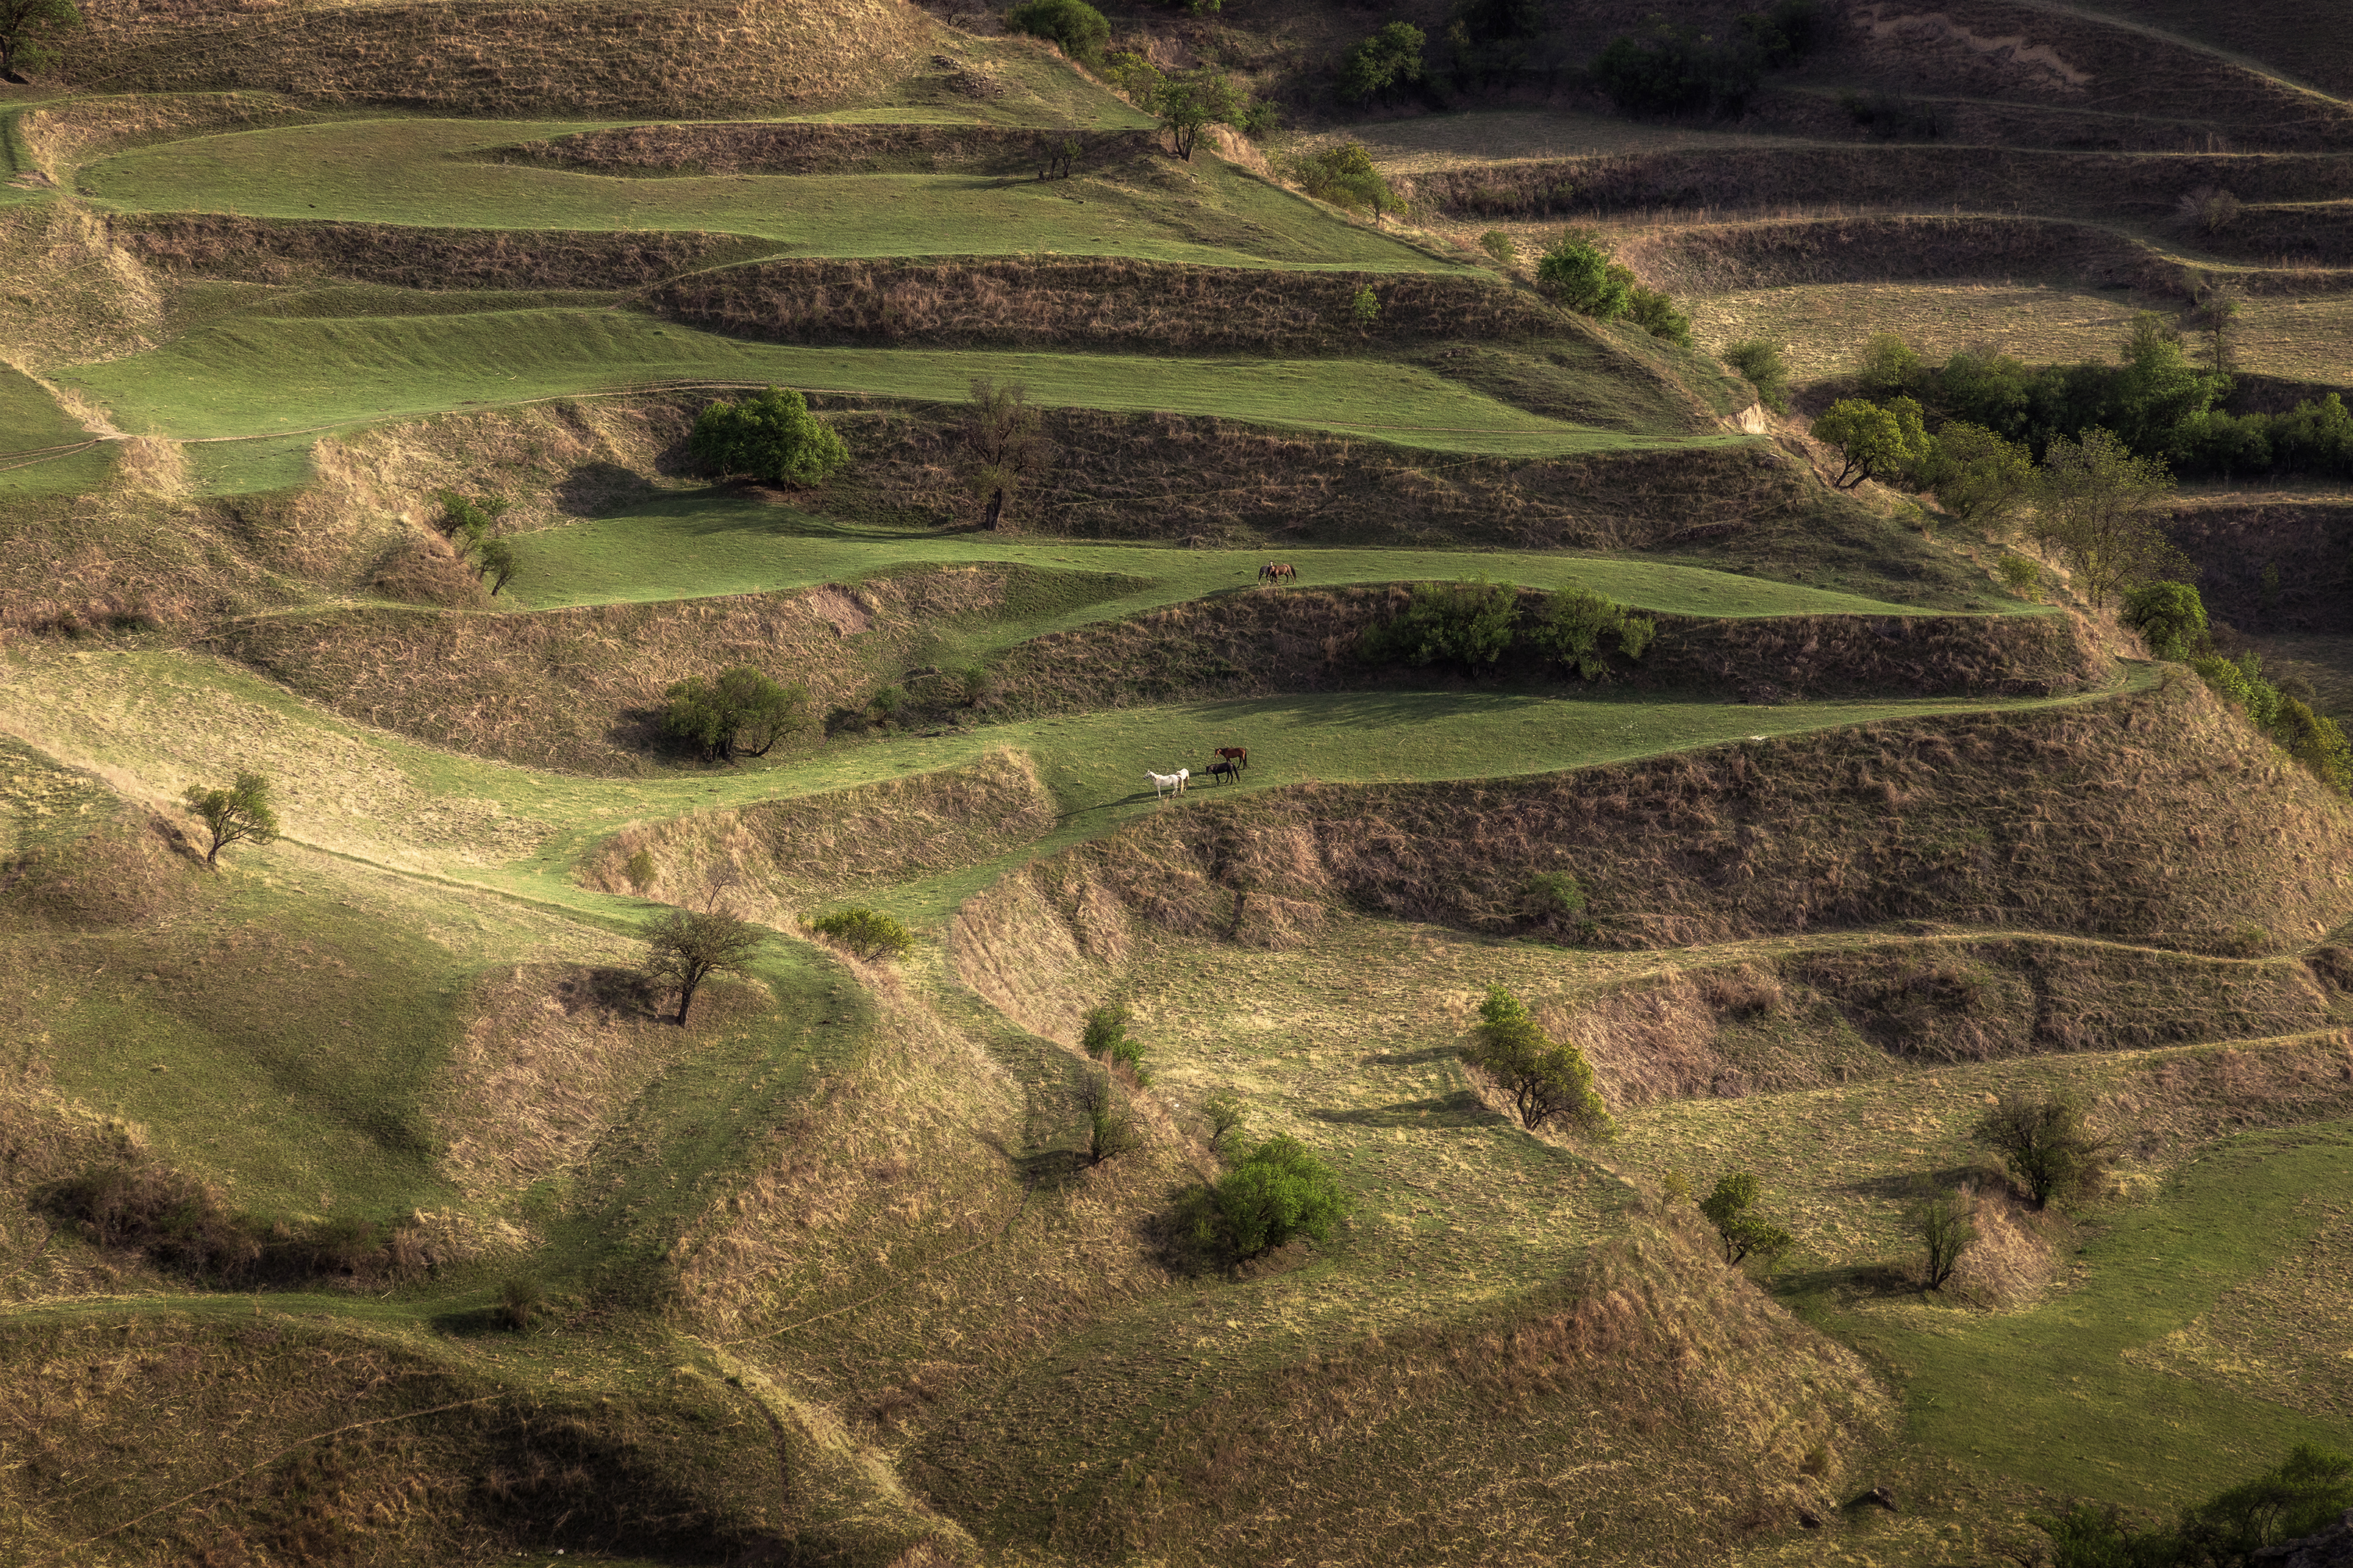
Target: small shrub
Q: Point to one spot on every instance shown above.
(640, 869)
(1730, 1207)
(1675, 1187)
(1552, 897)
(1345, 176)
(1075, 27)
(1502, 246)
(1111, 1127)
(868, 933)
(2022, 575)
(520, 1302)
(1105, 1027)
(2170, 616)
(2208, 209)
(885, 704)
(771, 437)
(1658, 315)
(1579, 274)
(1576, 621)
(1366, 307)
(1275, 1192)
(1765, 367)
(1224, 1111)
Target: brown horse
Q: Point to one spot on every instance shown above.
(1278, 572)
(1237, 755)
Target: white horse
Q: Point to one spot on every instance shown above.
(1173, 784)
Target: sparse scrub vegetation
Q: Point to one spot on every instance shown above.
(1946, 1228)
(1765, 368)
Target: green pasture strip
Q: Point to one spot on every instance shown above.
(713, 543)
(43, 450)
(266, 376)
(2048, 1396)
(442, 174)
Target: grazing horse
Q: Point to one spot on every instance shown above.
(1173, 784)
(1278, 572)
(1237, 755)
(1224, 773)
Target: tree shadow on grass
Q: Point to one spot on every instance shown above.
(1460, 1108)
(1412, 1059)
(1905, 1186)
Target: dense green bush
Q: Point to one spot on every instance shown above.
(1103, 1027)
(868, 933)
(2170, 616)
(1273, 1193)
(1345, 176)
(740, 713)
(1389, 58)
(1676, 69)
(770, 435)
(1765, 369)
(1075, 26)
(1888, 444)
(1576, 623)
(2300, 1498)
(1547, 1080)
(1579, 274)
(1979, 478)
(1469, 625)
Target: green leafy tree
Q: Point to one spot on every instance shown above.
(1887, 366)
(1344, 175)
(1191, 101)
(2044, 1142)
(2300, 1498)
(1547, 1080)
(1765, 368)
(1465, 624)
(1367, 307)
(1579, 274)
(498, 562)
(1981, 478)
(2104, 509)
(2170, 616)
(686, 947)
(1135, 76)
(740, 713)
(1576, 623)
(2318, 741)
(1223, 1111)
(771, 437)
(1731, 1208)
(1658, 315)
(29, 33)
(1502, 246)
(867, 933)
(1077, 29)
(1873, 442)
(1389, 58)
(1946, 1228)
(239, 814)
(1275, 1192)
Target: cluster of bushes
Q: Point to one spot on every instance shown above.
(1345, 176)
(1676, 69)
(1578, 273)
(181, 1225)
(1472, 626)
(771, 437)
(2296, 1500)
(738, 713)
(471, 526)
(2156, 400)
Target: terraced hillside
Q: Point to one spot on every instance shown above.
(361, 1200)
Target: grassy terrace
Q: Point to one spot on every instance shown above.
(433, 174)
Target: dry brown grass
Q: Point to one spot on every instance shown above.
(780, 859)
(769, 148)
(268, 250)
(1306, 640)
(1105, 302)
(2307, 539)
(2159, 818)
(492, 56)
(73, 297)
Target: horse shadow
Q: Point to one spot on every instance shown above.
(1460, 1108)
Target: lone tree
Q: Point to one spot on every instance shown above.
(238, 814)
(1945, 1229)
(28, 32)
(1731, 1208)
(741, 712)
(2045, 1142)
(2104, 509)
(1872, 443)
(1390, 58)
(1189, 101)
(1579, 274)
(687, 947)
(1003, 446)
(771, 437)
(1547, 1080)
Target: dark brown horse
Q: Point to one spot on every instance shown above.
(1278, 572)
(1237, 755)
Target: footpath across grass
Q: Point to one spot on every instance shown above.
(43, 450)
(710, 542)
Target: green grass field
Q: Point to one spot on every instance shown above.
(698, 545)
(431, 174)
(43, 450)
(258, 377)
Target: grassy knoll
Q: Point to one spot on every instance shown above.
(43, 450)
(428, 173)
(693, 545)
